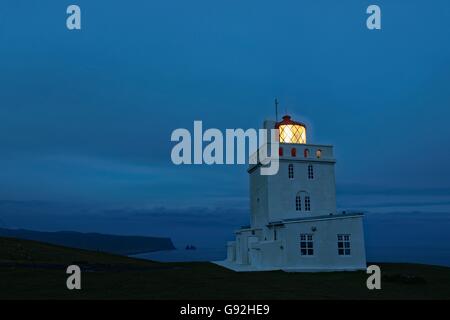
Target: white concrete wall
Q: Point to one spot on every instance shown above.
(242, 249)
(282, 191)
(272, 198)
(325, 244)
(269, 254)
(258, 199)
(231, 251)
(285, 253)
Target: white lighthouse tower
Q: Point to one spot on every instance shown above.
(294, 223)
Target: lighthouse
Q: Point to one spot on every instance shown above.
(294, 224)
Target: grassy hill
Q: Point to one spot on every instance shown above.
(124, 245)
(33, 270)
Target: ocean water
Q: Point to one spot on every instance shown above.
(182, 255)
(412, 254)
(427, 255)
(398, 228)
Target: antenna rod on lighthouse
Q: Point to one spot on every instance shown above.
(276, 109)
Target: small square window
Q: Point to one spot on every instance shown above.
(291, 171)
(343, 244)
(310, 171)
(293, 152)
(318, 154)
(306, 245)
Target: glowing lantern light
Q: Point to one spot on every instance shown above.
(291, 131)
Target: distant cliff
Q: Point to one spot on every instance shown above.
(124, 245)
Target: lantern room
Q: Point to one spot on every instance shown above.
(291, 131)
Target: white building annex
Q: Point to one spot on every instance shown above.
(294, 222)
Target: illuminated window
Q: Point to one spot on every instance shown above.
(306, 153)
(307, 203)
(293, 152)
(280, 151)
(306, 245)
(318, 153)
(291, 171)
(310, 172)
(343, 244)
(298, 203)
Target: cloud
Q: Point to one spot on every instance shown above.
(358, 189)
(205, 225)
(90, 179)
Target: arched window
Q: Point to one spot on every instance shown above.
(291, 171)
(318, 153)
(293, 152)
(310, 171)
(302, 201)
(307, 203)
(280, 151)
(306, 153)
(298, 203)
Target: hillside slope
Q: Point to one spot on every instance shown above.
(126, 245)
(32, 270)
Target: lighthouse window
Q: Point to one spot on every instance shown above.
(306, 153)
(343, 244)
(298, 203)
(293, 152)
(310, 172)
(291, 171)
(280, 151)
(307, 203)
(318, 153)
(306, 245)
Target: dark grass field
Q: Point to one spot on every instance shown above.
(32, 270)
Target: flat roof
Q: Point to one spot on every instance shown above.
(322, 217)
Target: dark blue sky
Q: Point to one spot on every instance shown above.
(86, 116)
